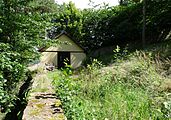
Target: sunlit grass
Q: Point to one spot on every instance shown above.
(128, 90)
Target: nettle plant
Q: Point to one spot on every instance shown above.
(95, 65)
(120, 54)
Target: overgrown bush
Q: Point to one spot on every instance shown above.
(129, 89)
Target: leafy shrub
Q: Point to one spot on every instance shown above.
(21, 32)
(11, 75)
(66, 89)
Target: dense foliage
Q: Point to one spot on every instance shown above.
(69, 19)
(21, 32)
(122, 25)
(118, 25)
(131, 88)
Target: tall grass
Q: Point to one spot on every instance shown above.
(127, 90)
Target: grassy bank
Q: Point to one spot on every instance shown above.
(133, 88)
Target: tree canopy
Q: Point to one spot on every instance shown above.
(118, 25)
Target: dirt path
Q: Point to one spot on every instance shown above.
(42, 102)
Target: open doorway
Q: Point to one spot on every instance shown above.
(63, 57)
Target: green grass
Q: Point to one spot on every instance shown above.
(130, 89)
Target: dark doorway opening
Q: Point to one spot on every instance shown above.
(63, 59)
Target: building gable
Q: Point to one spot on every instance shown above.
(68, 44)
(65, 44)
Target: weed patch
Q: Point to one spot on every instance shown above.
(131, 90)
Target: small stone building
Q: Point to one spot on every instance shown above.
(67, 51)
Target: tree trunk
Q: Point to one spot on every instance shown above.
(121, 2)
(144, 24)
